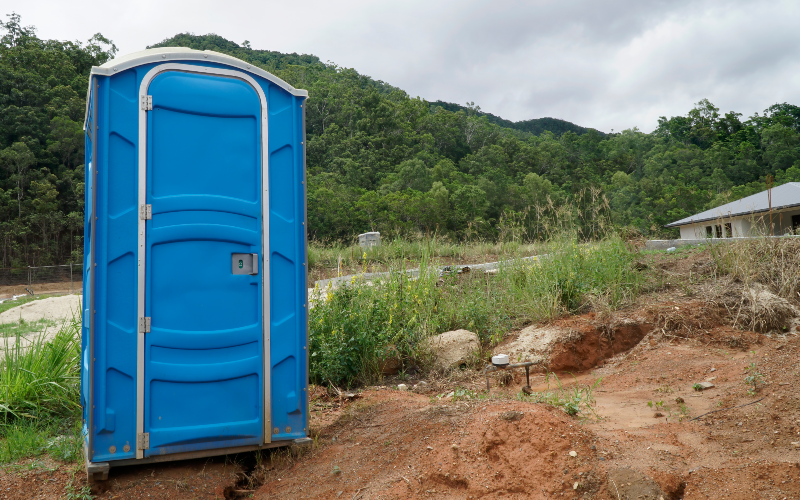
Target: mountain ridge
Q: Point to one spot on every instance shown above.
(535, 126)
(277, 61)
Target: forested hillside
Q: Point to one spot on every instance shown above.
(381, 160)
(42, 101)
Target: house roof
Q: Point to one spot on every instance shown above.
(783, 197)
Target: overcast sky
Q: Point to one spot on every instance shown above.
(608, 65)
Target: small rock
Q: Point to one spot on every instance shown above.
(594, 447)
(679, 400)
(658, 414)
(575, 486)
(527, 389)
(712, 370)
(512, 416)
(430, 447)
(671, 249)
(454, 348)
(402, 387)
(454, 446)
(390, 362)
(573, 453)
(702, 386)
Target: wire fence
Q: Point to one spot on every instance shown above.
(67, 276)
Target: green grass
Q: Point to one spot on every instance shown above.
(390, 252)
(60, 438)
(39, 396)
(573, 401)
(41, 379)
(356, 327)
(23, 328)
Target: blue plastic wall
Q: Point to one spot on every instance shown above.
(115, 292)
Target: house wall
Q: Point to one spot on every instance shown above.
(743, 226)
(783, 221)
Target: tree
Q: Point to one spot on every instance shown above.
(780, 145)
(17, 159)
(67, 140)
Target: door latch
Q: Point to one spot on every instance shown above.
(144, 325)
(244, 263)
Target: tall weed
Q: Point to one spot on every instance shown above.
(770, 261)
(42, 378)
(358, 328)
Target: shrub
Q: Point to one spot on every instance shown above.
(355, 327)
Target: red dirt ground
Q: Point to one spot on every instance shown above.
(378, 445)
(390, 444)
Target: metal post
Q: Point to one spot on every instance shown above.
(71, 288)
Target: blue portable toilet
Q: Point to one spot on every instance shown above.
(194, 339)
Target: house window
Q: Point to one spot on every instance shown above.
(718, 231)
(709, 234)
(728, 230)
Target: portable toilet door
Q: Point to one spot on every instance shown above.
(196, 326)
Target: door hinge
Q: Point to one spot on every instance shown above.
(145, 212)
(147, 102)
(144, 325)
(143, 441)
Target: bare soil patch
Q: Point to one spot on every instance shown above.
(42, 288)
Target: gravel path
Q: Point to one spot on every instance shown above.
(56, 309)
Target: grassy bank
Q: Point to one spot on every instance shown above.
(772, 262)
(355, 328)
(327, 261)
(39, 396)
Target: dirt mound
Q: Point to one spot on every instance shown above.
(576, 343)
(592, 344)
(756, 308)
(533, 343)
(448, 450)
(631, 484)
(703, 320)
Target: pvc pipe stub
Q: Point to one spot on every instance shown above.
(500, 360)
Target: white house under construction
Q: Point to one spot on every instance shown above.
(749, 216)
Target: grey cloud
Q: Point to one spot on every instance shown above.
(612, 64)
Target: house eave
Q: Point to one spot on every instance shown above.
(731, 216)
